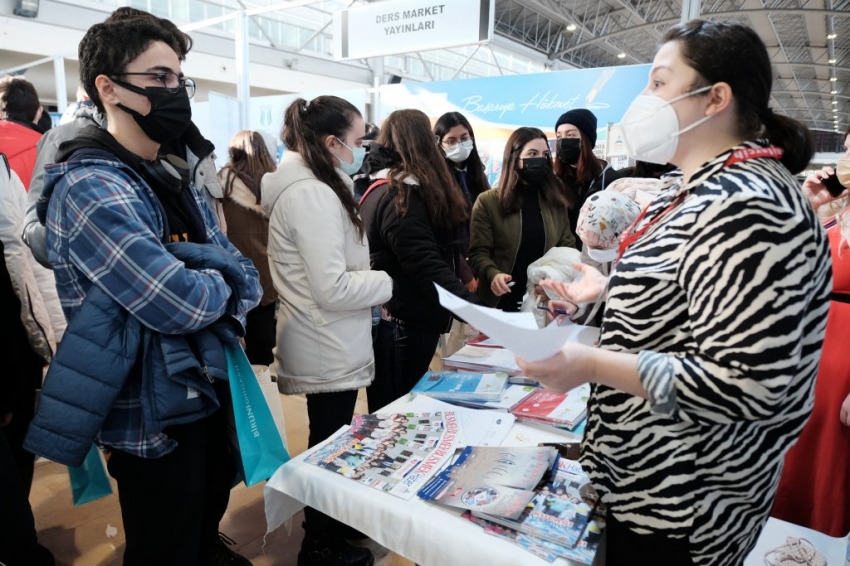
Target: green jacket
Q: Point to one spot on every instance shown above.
(494, 240)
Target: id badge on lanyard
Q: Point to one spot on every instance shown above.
(630, 235)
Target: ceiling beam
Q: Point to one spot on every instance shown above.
(707, 15)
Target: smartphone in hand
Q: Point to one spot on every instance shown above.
(833, 185)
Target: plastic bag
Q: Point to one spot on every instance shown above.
(89, 481)
(254, 434)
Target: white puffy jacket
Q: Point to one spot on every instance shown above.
(321, 271)
(34, 285)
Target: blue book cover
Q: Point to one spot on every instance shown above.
(464, 386)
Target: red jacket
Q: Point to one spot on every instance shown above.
(19, 143)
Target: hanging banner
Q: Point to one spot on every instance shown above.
(406, 26)
(496, 106)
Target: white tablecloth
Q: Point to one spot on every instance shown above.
(432, 535)
(428, 534)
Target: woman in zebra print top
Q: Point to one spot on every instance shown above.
(715, 312)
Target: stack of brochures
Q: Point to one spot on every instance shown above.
(483, 359)
(462, 386)
(395, 453)
(498, 480)
(563, 411)
(510, 398)
(564, 519)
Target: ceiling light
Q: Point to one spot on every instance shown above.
(833, 92)
(833, 79)
(835, 102)
(831, 36)
(621, 56)
(571, 27)
(832, 61)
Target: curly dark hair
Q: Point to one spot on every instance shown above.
(125, 13)
(108, 48)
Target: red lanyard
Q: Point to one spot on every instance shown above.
(630, 236)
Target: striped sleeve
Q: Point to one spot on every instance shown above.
(747, 342)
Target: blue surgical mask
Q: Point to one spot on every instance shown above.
(358, 154)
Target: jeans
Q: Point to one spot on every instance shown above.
(402, 356)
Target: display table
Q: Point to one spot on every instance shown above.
(428, 534)
(432, 535)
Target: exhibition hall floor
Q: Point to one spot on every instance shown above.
(91, 535)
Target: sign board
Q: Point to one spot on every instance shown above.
(496, 106)
(405, 26)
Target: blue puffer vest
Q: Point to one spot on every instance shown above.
(104, 345)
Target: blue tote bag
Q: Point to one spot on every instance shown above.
(89, 481)
(261, 450)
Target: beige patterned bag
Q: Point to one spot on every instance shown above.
(794, 552)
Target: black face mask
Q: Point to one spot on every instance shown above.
(569, 150)
(170, 113)
(534, 169)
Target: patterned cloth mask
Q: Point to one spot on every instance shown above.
(604, 216)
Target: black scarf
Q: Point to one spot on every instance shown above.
(184, 221)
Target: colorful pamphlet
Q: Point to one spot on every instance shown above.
(396, 453)
(555, 408)
(462, 386)
(512, 396)
(474, 358)
(494, 480)
(584, 552)
(560, 510)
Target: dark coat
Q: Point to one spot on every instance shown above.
(104, 345)
(416, 254)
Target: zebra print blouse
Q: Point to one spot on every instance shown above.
(725, 300)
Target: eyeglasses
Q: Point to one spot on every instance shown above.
(170, 81)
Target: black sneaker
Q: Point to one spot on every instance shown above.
(323, 549)
(221, 555)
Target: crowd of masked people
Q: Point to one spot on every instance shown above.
(721, 292)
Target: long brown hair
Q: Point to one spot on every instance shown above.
(551, 190)
(305, 127)
(587, 169)
(249, 161)
(408, 133)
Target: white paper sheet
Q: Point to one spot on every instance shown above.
(512, 331)
(479, 428)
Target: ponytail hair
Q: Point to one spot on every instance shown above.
(734, 54)
(305, 127)
(792, 136)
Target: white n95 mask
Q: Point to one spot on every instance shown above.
(651, 129)
(459, 152)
